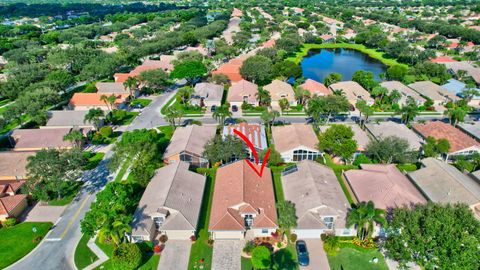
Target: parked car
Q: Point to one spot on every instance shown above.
(213, 109)
(234, 108)
(303, 258)
(137, 106)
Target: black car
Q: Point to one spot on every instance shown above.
(214, 108)
(302, 252)
(234, 108)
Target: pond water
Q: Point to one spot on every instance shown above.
(319, 63)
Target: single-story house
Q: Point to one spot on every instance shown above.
(384, 185)
(87, 101)
(404, 90)
(435, 92)
(460, 143)
(353, 92)
(207, 94)
(13, 165)
(231, 69)
(320, 203)
(12, 204)
(443, 183)
(187, 144)
(170, 205)
(67, 119)
(279, 90)
(111, 88)
(315, 88)
(390, 128)
(471, 70)
(121, 77)
(254, 132)
(456, 87)
(471, 128)
(359, 135)
(243, 204)
(38, 139)
(296, 142)
(242, 91)
(152, 65)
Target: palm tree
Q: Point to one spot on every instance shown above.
(456, 115)
(172, 115)
(379, 93)
(263, 97)
(185, 93)
(221, 113)
(269, 117)
(469, 92)
(302, 95)
(394, 96)
(338, 92)
(409, 111)
(284, 104)
(131, 84)
(109, 101)
(364, 216)
(94, 116)
(115, 232)
(75, 137)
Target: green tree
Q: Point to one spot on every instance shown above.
(263, 97)
(338, 140)
(419, 234)
(109, 101)
(408, 111)
(156, 79)
(268, 117)
(379, 93)
(59, 80)
(174, 116)
(287, 69)
(469, 93)
(184, 94)
(51, 172)
(221, 113)
(94, 116)
(302, 95)
(75, 137)
(131, 84)
(391, 149)
(114, 232)
(397, 72)
(261, 258)
(284, 104)
(365, 79)
(364, 216)
(290, 42)
(189, 70)
(274, 158)
(326, 106)
(434, 148)
(365, 111)
(287, 217)
(332, 78)
(257, 69)
(126, 256)
(224, 150)
(456, 111)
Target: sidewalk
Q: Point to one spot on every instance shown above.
(102, 257)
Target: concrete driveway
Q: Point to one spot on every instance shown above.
(318, 257)
(226, 255)
(175, 255)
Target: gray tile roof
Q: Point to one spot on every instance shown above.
(67, 119)
(209, 91)
(191, 139)
(389, 128)
(433, 91)
(404, 90)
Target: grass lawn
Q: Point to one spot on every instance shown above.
(142, 101)
(201, 249)
(408, 167)
(163, 110)
(359, 47)
(4, 102)
(246, 264)
(83, 255)
(93, 159)
(127, 120)
(70, 194)
(19, 240)
(349, 258)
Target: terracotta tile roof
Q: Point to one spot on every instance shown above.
(254, 132)
(291, 136)
(8, 203)
(121, 77)
(93, 99)
(237, 188)
(439, 130)
(243, 88)
(11, 187)
(442, 59)
(237, 12)
(231, 69)
(13, 164)
(152, 65)
(385, 185)
(315, 88)
(269, 43)
(35, 139)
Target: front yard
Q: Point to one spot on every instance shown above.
(19, 240)
(351, 258)
(83, 255)
(149, 259)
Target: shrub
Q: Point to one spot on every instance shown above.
(361, 159)
(249, 246)
(293, 238)
(157, 249)
(106, 131)
(210, 242)
(163, 238)
(193, 238)
(261, 258)
(331, 245)
(126, 256)
(9, 222)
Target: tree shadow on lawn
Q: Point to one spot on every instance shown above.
(283, 259)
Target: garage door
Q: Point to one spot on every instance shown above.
(308, 234)
(231, 235)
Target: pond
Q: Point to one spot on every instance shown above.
(319, 63)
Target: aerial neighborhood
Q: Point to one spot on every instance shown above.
(233, 135)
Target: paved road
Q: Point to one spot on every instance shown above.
(151, 117)
(57, 250)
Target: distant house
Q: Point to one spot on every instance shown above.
(152, 65)
(231, 69)
(109, 88)
(405, 91)
(67, 119)
(187, 144)
(87, 101)
(471, 70)
(327, 38)
(320, 203)
(12, 204)
(121, 77)
(170, 205)
(279, 90)
(38, 139)
(237, 12)
(384, 185)
(295, 142)
(436, 93)
(359, 135)
(254, 132)
(389, 128)
(315, 88)
(243, 204)
(460, 143)
(242, 91)
(207, 94)
(13, 166)
(456, 87)
(443, 183)
(353, 92)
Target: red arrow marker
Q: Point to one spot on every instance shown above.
(254, 152)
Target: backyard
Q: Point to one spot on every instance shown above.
(20, 239)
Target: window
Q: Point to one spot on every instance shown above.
(248, 220)
(186, 157)
(137, 239)
(299, 155)
(264, 230)
(328, 222)
(158, 221)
